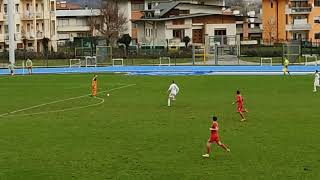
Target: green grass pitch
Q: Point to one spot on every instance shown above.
(133, 135)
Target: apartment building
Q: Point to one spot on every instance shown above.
(34, 21)
(285, 20)
(75, 23)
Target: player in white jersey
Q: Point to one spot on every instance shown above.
(174, 90)
(316, 81)
(11, 69)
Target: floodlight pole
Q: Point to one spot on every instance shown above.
(11, 31)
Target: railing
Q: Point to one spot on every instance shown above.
(292, 27)
(40, 35)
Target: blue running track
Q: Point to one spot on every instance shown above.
(173, 70)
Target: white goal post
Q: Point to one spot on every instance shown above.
(114, 62)
(164, 61)
(75, 63)
(91, 61)
(262, 60)
(306, 57)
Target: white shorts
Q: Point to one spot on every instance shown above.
(172, 94)
(316, 83)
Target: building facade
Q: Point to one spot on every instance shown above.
(168, 23)
(285, 20)
(138, 7)
(75, 23)
(35, 20)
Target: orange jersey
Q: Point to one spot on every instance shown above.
(94, 83)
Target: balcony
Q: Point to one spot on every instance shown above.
(17, 36)
(29, 35)
(299, 9)
(299, 25)
(40, 35)
(39, 15)
(27, 16)
(73, 28)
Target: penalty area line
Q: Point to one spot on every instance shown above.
(12, 113)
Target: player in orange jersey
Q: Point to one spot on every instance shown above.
(94, 86)
(214, 137)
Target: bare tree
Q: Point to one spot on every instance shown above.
(269, 29)
(112, 21)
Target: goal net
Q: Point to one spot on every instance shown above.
(75, 63)
(265, 61)
(292, 52)
(164, 61)
(117, 62)
(104, 55)
(81, 52)
(311, 60)
(91, 61)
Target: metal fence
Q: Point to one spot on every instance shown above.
(219, 50)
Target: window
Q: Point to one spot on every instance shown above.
(137, 7)
(29, 44)
(149, 5)
(28, 7)
(53, 25)
(5, 8)
(220, 32)
(134, 25)
(6, 29)
(316, 2)
(316, 19)
(148, 32)
(317, 35)
(37, 7)
(178, 33)
(17, 28)
(63, 22)
(80, 22)
(271, 4)
(17, 8)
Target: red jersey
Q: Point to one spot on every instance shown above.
(239, 100)
(214, 126)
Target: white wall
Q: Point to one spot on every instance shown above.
(200, 9)
(125, 7)
(230, 28)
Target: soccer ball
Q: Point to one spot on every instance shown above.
(108, 94)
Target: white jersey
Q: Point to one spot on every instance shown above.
(316, 78)
(174, 89)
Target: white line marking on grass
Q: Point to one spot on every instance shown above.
(62, 100)
(61, 110)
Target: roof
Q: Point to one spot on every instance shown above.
(179, 17)
(165, 7)
(77, 13)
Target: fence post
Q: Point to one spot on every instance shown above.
(193, 55)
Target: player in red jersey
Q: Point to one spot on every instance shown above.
(240, 108)
(214, 137)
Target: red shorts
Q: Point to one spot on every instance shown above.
(240, 108)
(214, 138)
